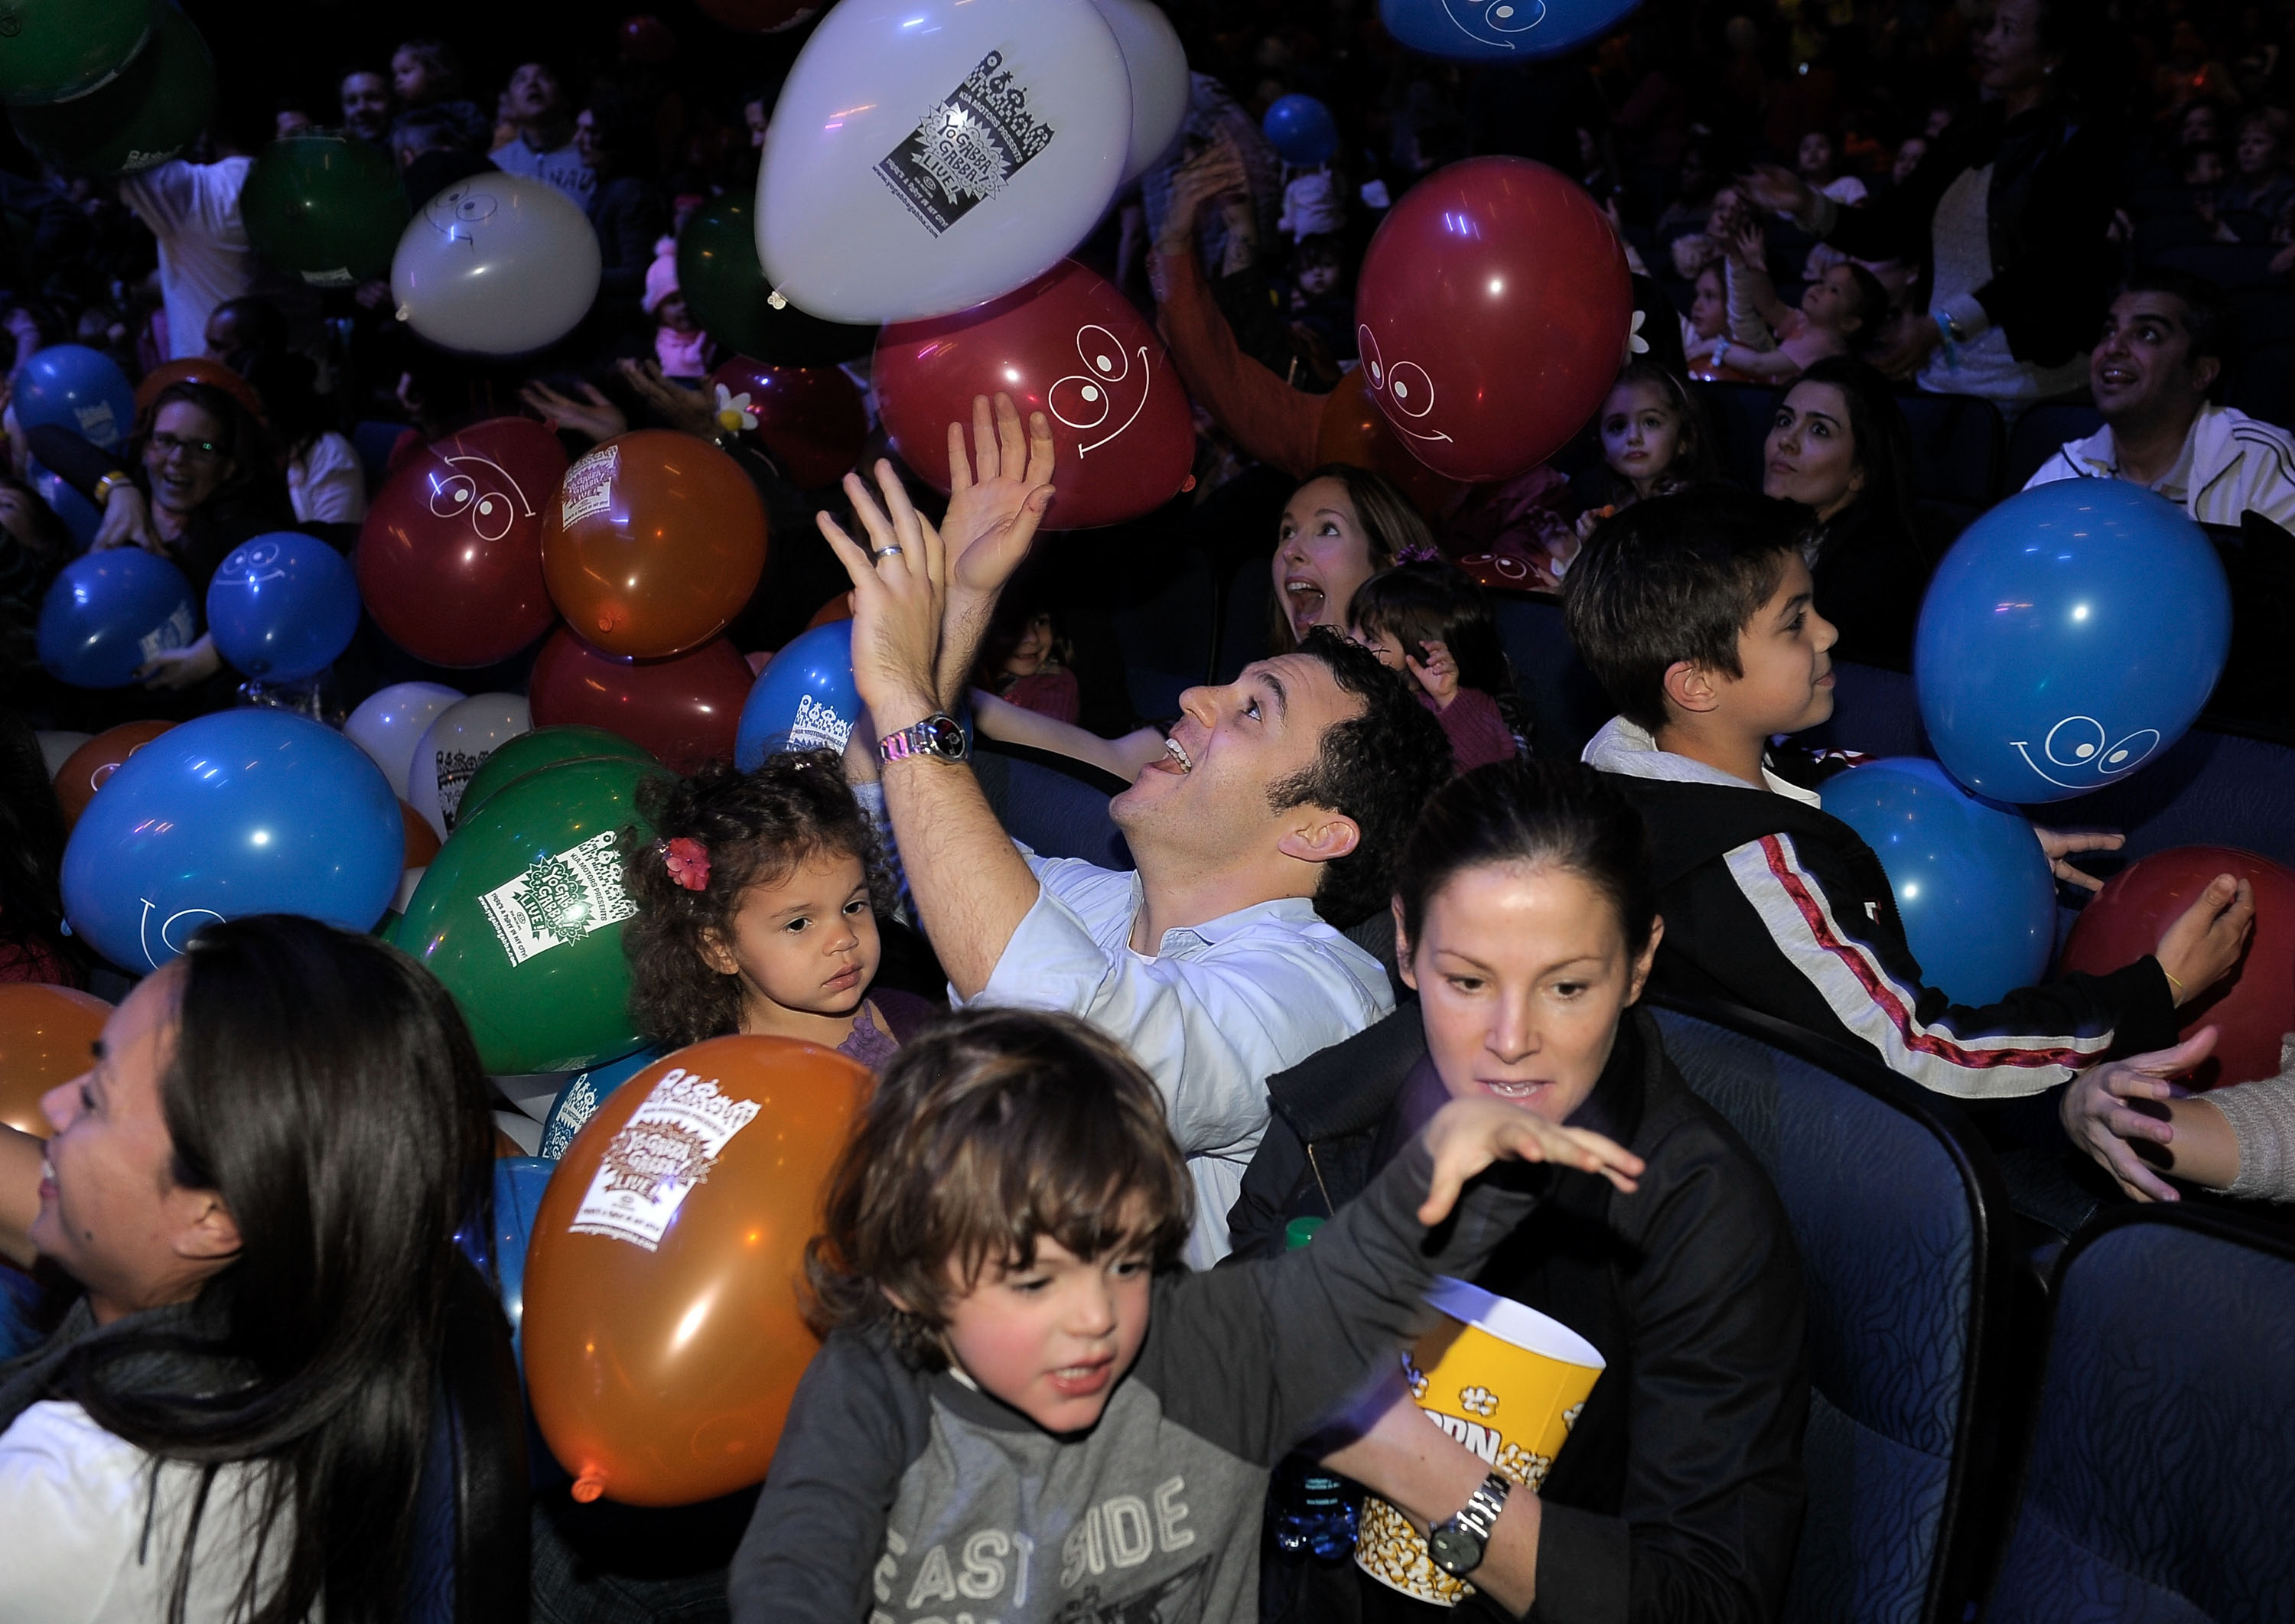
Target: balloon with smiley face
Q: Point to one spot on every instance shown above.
(1499, 30)
(1494, 310)
(495, 265)
(2071, 635)
(282, 606)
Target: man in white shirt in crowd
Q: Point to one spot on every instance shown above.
(2157, 372)
(544, 150)
(1283, 796)
(205, 258)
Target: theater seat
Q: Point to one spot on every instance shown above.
(1895, 1207)
(1052, 805)
(2040, 433)
(1569, 704)
(472, 1553)
(1957, 442)
(1740, 414)
(2162, 1466)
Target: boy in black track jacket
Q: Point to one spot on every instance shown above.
(1695, 611)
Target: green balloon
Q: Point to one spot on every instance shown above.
(725, 288)
(326, 207)
(54, 49)
(529, 753)
(519, 916)
(156, 107)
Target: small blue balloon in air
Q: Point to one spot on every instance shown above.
(78, 388)
(244, 811)
(518, 1184)
(1299, 128)
(584, 1092)
(108, 613)
(282, 606)
(2071, 635)
(805, 700)
(82, 517)
(1972, 885)
(1499, 30)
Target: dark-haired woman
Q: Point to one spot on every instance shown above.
(257, 1184)
(1525, 917)
(203, 482)
(1838, 446)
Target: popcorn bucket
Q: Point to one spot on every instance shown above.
(1506, 1381)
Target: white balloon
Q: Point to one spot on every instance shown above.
(56, 748)
(495, 265)
(456, 746)
(928, 155)
(1158, 65)
(389, 723)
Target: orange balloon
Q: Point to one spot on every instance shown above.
(663, 1336)
(1353, 430)
(839, 607)
(505, 1146)
(47, 1036)
(196, 369)
(421, 839)
(86, 769)
(655, 541)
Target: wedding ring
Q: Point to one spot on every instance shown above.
(881, 554)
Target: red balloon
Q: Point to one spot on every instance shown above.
(450, 558)
(812, 419)
(2250, 1008)
(655, 543)
(1355, 431)
(646, 38)
(759, 16)
(1067, 345)
(685, 709)
(1495, 307)
(86, 770)
(196, 369)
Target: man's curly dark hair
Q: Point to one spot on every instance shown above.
(1379, 769)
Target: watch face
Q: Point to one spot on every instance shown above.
(1454, 1551)
(946, 737)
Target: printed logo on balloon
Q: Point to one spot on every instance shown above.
(1090, 400)
(965, 148)
(2083, 751)
(1405, 383)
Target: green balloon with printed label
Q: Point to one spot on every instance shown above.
(51, 49)
(530, 753)
(326, 207)
(153, 110)
(519, 916)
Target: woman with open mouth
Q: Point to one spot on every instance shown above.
(1342, 527)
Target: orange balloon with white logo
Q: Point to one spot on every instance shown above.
(662, 1333)
(86, 770)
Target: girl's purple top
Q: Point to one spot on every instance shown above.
(1476, 729)
(899, 1012)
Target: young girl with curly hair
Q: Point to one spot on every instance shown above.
(757, 912)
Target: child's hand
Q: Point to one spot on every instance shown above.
(596, 416)
(1467, 1135)
(2098, 1118)
(2059, 846)
(2207, 938)
(1750, 247)
(1439, 675)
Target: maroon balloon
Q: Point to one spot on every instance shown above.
(685, 709)
(450, 559)
(1067, 345)
(812, 419)
(1494, 309)
(646, 38)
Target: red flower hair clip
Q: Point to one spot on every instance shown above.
(688, 862)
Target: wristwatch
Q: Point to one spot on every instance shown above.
(939, 737)
(1456, 1543)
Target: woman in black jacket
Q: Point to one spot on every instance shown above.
(1526, 919)
(2009, 210)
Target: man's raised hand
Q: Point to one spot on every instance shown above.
(899, 585)
(997, 496)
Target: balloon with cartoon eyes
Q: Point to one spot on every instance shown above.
(1499, 30)
(2070, 638)
(1067, 345)
(282, 606)
(450, 558)
(1493, 306)
(498, 264)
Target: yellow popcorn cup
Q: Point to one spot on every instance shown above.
(1503, 1379)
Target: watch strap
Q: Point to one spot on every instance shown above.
(919, 740)
(1475, 1519)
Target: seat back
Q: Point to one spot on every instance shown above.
(1740, 414)
(1569, 704)
(1893, 1203)
(2162, 1462)
(2039, 434)
(1957, 442)
(472, 1555)
(1054, 805)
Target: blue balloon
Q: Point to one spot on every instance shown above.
(78, 388)
(107, 613)
(2071, 635)
(81, 516)
(1972, 885)
(282, 606)
(244, 811)
(806, 700)
(584, 1092)
(1499, 30)
(1299, 128)
(518, 1184)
